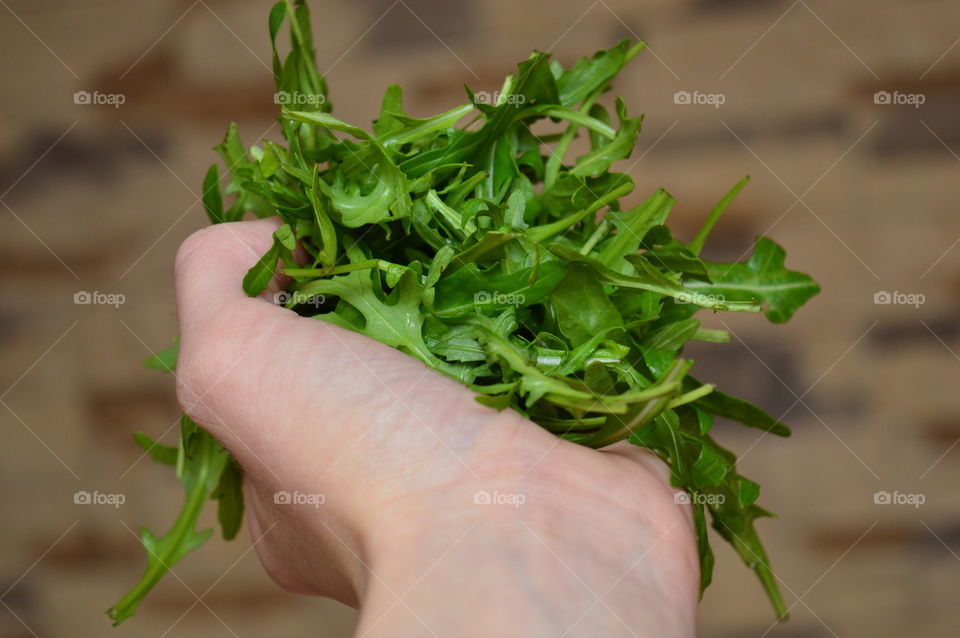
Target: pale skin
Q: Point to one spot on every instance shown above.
(583, 543)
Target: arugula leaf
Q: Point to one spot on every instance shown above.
(204, 460)
(720, 404)
(257, 279)
(590, 75)
(763, 278)
(165, 360)
(599, 160)
(229, 497)
(632, 226)
(472, 243)
(212, 198)
(697, 243)
(582, 306)
(160, 453)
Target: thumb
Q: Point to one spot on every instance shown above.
(258, 376)
(211, 264)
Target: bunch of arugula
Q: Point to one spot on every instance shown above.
(478, 250)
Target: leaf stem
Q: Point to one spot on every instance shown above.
(621, 431)
(378, 264)
(175, 539)
(540, 233)
(697, 243)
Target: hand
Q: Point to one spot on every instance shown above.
(582, 542)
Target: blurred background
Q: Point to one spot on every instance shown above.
(845, 114)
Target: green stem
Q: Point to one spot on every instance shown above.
(556, 158)
(691, 396)
(697, 243)
(594, 238)
(711, 336)
(183, 527)
(379, 264)
(621, 431)
(541, 233)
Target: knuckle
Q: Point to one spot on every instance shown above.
(205, 356)
(194, 379)
(209, 380)
(195, 243)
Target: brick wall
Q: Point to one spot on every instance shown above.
(862, 195)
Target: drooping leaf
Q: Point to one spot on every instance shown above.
(229, 497)
(203, 464)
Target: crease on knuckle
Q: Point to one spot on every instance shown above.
(204, 357)
(197, 240)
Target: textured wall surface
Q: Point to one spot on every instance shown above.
(844, 113)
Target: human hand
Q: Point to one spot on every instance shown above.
(399, 453)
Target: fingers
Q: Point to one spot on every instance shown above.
(211, 264)
(642, 456)
(282, 391)
(229, 342)
(655, 466)
(246, 362)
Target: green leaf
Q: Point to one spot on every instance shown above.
(582, 306)
(672, 336)
(747, 493)
(238, 164)
(229, 496)
(468, 240)
(703, 546)
(473, 289)
(620, 147)
(396, 321)
(160, 453)
(724, 405)
(590, 75)
(737, 528)
(710, 468)
(259, 276)
(204, 463)
(697, 244)
(277, 13)
(368, 188)
(647, 278)
(632, 226)
(165, 360)
(212, 199)
(763, 278)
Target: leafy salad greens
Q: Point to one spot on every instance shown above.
(479, 247)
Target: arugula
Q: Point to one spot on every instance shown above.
(465, 241)
(202, 465)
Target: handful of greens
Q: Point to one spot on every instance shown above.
(482, 251)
